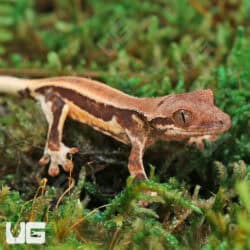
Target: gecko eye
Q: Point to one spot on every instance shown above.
(182, 117)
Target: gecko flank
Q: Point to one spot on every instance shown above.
(138, 122)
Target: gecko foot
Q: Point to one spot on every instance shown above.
(143, 203)
(199, 141)
(58, 158)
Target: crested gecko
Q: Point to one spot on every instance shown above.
(138, 122)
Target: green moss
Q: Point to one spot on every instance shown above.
(145, 48)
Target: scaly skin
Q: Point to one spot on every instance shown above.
(138, 122)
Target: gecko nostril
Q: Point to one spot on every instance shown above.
(221, 122)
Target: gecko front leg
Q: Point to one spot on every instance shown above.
(55, 152)
(135, 163)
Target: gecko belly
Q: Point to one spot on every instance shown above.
(111, 127)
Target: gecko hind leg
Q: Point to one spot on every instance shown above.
(55, 152)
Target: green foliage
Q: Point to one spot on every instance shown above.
(124, 223)
(145, 48)
(124, 203)
(232, 228)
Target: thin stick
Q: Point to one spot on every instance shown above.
(65, 192)
(35, 73)
(197, 6)
(83, 218)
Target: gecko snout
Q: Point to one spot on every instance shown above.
(225, 121)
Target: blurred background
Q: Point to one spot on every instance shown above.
(144, 48)
(161, 43)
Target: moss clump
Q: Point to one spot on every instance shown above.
(145, 49)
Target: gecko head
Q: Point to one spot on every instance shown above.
(190, 114)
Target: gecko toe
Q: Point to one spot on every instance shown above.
(53, 170)
(44, 160)
(68, 166)
(144, 203)
(74, 150)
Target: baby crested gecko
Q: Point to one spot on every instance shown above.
(138, 122)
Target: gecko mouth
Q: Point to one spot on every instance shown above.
(197, 132)
(211, 128)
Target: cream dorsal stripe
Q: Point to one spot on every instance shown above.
(94, 90)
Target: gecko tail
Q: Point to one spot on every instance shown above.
(12, 85)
